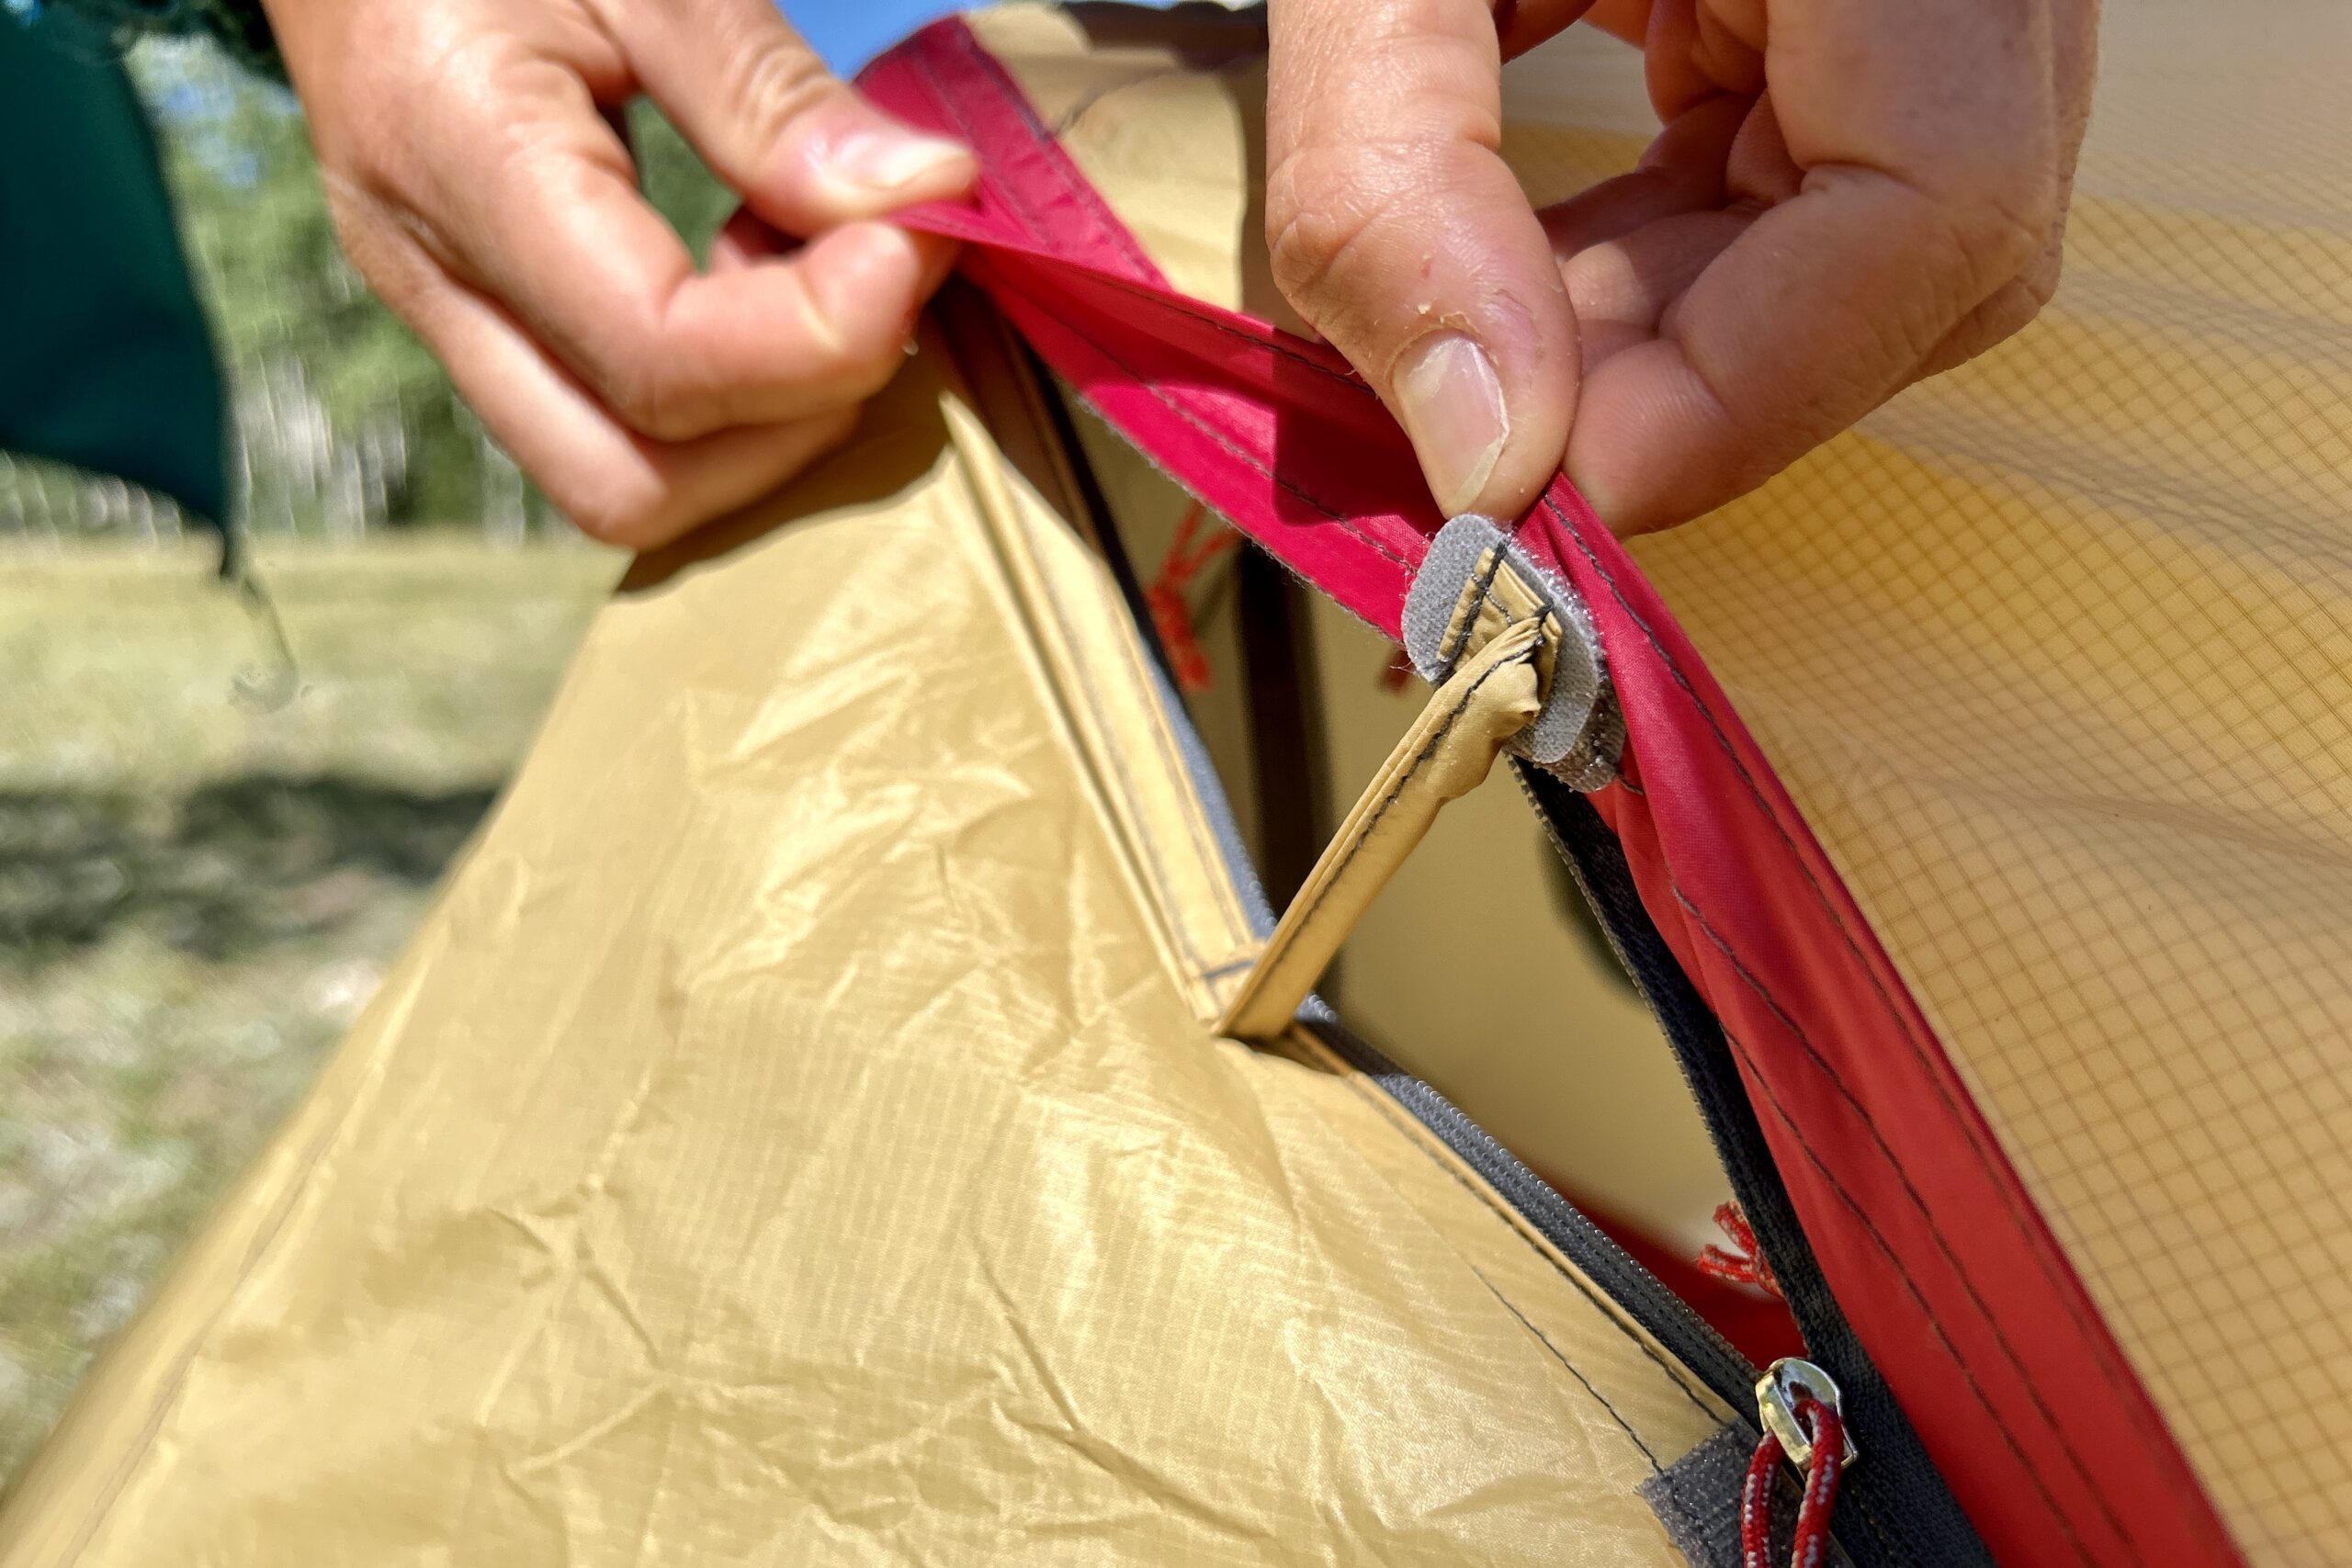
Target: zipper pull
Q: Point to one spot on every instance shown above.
(1803, 1419)
(1787, 1385)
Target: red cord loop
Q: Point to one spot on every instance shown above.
(1742, 1263)
(1171, 615)
(1810, 1548)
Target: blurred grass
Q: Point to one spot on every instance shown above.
(197, 896)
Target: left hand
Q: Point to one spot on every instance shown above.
(479, 185)
(1846, 196)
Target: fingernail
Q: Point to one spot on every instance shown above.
(1453, 408)
(889, 160)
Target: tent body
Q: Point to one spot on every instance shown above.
(703, 1188)
(801, 1134)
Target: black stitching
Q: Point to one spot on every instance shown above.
(1901, 1021)
(1126, 778)
(1450, 651)
(1903, 1027)
(2033, 1390)
(1233, 921)
(1118, 233)
(1347, 523)
(1081, 193)
(1084, 196)
(1420, 1137)
(1182, 306)
(1371, 825)
(1544, 1339)
(1926, 1314)
(1056, 160)
(1757, 797)
(1105, 221)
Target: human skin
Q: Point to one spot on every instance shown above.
(1847, 196)
(479, 184)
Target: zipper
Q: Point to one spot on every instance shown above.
(1664, 1316)
(1897, 1512)
(1804, 1426)
(1787, 1386)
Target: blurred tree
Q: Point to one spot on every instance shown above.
(333, 392)
(341, 421)
(676, 181)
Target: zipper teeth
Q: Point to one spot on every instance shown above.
(1610, 1269)
(1613, 1271)
(1560, 847)
(1904, 1515)
(1806, 1331)
(1607, 930)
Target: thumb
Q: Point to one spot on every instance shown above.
(1400, 235)
(801, 148)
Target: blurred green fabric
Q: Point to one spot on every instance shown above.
(106, 361)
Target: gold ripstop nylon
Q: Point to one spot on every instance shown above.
(1448, 751)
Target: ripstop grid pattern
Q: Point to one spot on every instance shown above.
(2055, 653)
(826, 1166)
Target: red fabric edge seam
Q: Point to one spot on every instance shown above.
(1948, 1272)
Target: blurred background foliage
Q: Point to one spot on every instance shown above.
(343, 425)
(198, 891)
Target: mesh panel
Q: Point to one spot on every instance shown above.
(2056, 654)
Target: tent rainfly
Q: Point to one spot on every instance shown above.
(854, 1104)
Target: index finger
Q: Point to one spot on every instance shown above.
(539, 209)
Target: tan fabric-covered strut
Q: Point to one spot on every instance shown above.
(797, 1138)
(1446, 754)
(2054, 653)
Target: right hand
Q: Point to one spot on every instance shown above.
(479, 185)
(1846, 196)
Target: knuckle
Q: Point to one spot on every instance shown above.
(380, 243)
(653, 406)
(633, 372)
(2000, 223)
(639, 395)
(1321, 204)
(621, 379)
(851, 347)
(2042, 278)
(774, 86)
(863, 370)
(629, 514)
(2013, 309)
(358, 219)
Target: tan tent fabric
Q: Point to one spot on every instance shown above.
(2052, 652)
(794, 1139)
(2055, 653)
(1591, 1096)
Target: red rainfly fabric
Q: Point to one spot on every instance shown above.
(1945, 1270)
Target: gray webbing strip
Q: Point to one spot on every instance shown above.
(1697, 1499)
(1580, 733)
